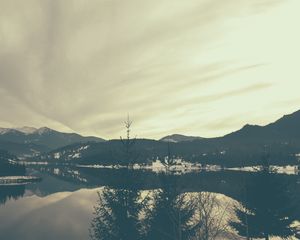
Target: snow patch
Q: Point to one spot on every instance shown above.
(70, 153)
(76, 155)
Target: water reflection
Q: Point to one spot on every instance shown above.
(171, 214)
(147, 206)
(11, 192)
(117, 214)
(177, 215)
(7, 168)
(164, 213)
(63, 215)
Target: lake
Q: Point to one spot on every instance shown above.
(92, 203)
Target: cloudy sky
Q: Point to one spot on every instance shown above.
(197, 67)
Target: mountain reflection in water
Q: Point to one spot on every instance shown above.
(73, 203)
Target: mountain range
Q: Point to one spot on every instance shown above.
(279, 140)
(29, 141)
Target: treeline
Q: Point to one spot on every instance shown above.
(219, 151)
(204, 152)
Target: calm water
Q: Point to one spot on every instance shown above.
(76, 203)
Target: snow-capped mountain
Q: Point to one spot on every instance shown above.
(26, 130)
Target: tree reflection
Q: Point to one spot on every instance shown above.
(185, 216)
(164, 213)
(267, 208)
(11, 192)
(171, 214)
(7, 168)
(117, 215)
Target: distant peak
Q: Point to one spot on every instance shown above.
(43, 130)
(27, 130)
(178, 138)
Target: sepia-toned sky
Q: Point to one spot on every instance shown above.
(197, 67)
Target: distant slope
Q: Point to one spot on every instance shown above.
(27, 139)
(287, 127)
(179, 138)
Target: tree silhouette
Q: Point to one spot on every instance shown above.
(212, 217)
(11, 192)
(267, 209)
(128, 144)
(116, 216)
(171, 213)
(183, 216)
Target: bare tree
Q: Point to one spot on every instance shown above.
(128, 143)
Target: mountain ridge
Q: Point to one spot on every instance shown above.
(287, 127)
(245, 147)
(39, 140)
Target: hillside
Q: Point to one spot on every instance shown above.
(287, 127)
(31, 141)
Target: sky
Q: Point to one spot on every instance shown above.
(197, 67)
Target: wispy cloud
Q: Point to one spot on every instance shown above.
(78, 65)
